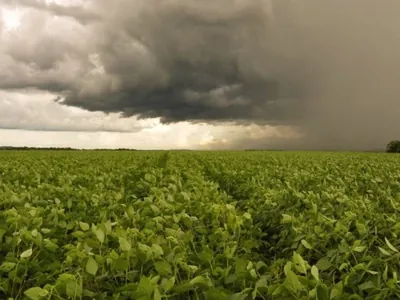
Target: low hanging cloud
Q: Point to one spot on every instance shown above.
(327, 68)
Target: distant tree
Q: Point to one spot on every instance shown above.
(393, 147)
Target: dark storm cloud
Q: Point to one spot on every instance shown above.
(329, 67)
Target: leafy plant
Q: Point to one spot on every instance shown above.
(199, 225)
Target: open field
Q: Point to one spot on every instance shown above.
(199, 225)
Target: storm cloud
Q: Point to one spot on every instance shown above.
(328, 68)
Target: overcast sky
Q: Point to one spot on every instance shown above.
(226, 74)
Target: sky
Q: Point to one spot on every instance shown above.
(188, 74)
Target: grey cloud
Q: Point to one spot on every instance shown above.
(329, 68)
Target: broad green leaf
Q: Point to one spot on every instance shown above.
(315, 272)
(366, 285)
(253, 273)
(124, 244)
(359, 249)
(306, 244)
(323, 264)
(322, 292)
(163, 267)
(73, 289)
(200, 281)
(7, 266)
(49, 245)
(84, 226)
(27, 253)
(146, 250)
(157, 294)
(337, 291)
(292, 282)
(299, 263)
(90, 294)
(45, 230)
(91, 266)
(36, 293)
(99, 234)
(286, 219)
(144, 289)
(168, 284)
(157, 251)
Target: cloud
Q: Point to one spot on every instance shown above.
(327, 68)
(35, 111)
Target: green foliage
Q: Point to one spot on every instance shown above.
(393, 147)
(199, 225)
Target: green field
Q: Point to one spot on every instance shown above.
(199, 225)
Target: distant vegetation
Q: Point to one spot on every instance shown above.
(393, 147)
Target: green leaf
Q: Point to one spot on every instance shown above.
(45, 230)
(35, 293)
(26, 253)
(146, 250)
(391, 246)
(299, 262)
(168, 284)
(323, 264)
(73, 289)
(366, 285)
(306, 244)
(124, 244)
(359, 249)
(157, 251)
(157, 294)
(337, 291)
(286, 219)
(384, 252)
(84, 226)
(99, 234)
(385, 273)
(292, 282)
(183, 288)
(7, 266)
(253, 273)
(163, 267)
(90, 294)
(144, 289)
(315, 272)
(91, 266)
(49, 245)
(200, 281)
(323, 292)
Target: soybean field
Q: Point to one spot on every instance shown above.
(147, 225)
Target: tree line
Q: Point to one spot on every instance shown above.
(393, 147)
